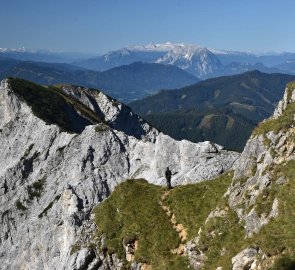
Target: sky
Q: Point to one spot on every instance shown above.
(98, 26)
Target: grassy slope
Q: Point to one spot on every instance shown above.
(276, 238)
(133, 212)
(192, 203)
(53, 106)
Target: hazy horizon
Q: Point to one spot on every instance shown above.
(97, 27)
(257, 52)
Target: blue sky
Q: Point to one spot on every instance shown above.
(98, 26)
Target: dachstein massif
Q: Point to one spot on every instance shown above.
(82, 187)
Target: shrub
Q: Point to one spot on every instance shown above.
(20, 206)
(284, 263)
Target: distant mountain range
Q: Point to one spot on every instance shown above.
(199, 61)
(125, 83)
(43, 55)
(288, 66)
(137, 80)
(135, 72)
(224, 109)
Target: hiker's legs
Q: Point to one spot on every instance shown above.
(169, 183)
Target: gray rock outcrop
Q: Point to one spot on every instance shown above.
(254, 170)
(50, 179)
(246, 259)
(253, 193)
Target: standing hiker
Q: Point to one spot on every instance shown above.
(168, 178)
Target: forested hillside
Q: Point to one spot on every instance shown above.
(224, 109)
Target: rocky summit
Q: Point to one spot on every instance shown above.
(83, 187)
(64, 150)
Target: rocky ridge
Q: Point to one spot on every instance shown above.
(252, 226)
(196, 60)
(53, 175)
(255, 215)
(200, 61)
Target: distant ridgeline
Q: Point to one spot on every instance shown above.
(125, 83)
(224, 110)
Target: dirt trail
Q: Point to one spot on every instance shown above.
(178, 227)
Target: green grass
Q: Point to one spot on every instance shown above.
(83, 109)
(290, 88)
(74, 248)
(265, 200)
(133, 212)
(284, 263)
(101, 128)
(55, 107)
(222, 234)
(277, 238)
(279, 235)
(192, 203)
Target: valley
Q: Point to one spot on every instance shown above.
(224, 110)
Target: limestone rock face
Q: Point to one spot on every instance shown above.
(116, 114)
(246, 259)
(252, 178)
(289, 97)
(50, 179)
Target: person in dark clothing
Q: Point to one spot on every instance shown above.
(168, 178)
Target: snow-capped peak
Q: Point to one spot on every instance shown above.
(21, 49)
(178, 50)
(163, 47)
(195, 59)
